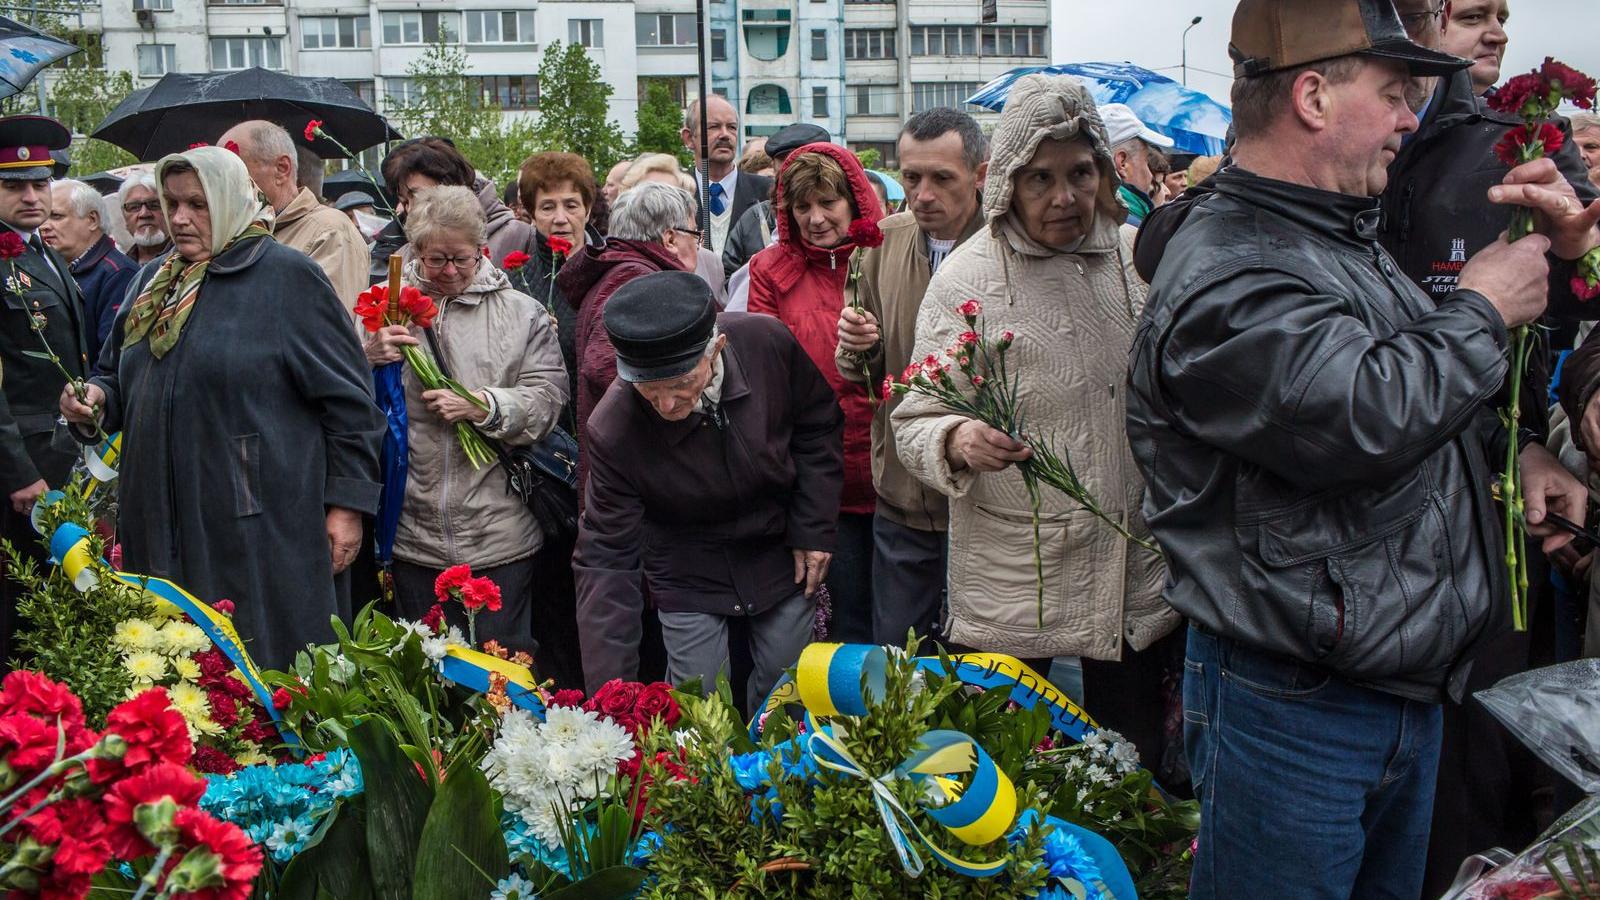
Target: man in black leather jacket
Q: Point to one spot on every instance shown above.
(1314, 435)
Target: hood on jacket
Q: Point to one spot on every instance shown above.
(593, 262)
(487, 280)
(863, 199)
(1047, 106)
(495, 212)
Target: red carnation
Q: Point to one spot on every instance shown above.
(1006, 337)
(863, 233)
(311, 129)
(150, 786)
(11, 245)
(27, 744)
(450, 580)
(224, 606)
(514, 260)
(970, 310)
(224, 709)
(238, 858)
(85, 845)
(213, 663)
(153, 730)
(1574, 85)
(434, 619)
(1512, 96)
(567, 697)
(559, 245)
(656, 700)
(198, 144)
(1583, 290)
(479, 593)
(231, 146)
(260, 730)
(34, 694)
(968, 338)
(281, 698)
(211, 761)
(1529, 142)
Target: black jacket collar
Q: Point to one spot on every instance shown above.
(1348, 218)
(92, 256)
(242, 255)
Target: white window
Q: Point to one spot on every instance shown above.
(1020, 40)
(335, 32)
(421, 28)
(926, 95)
(398, 92)
(819, 102)
(586, 32)
(493, 26)
(944, 40)
(872, 100)
(665, 29)
(869, 43)
(156, 60)
(233, 53)
(161, 5)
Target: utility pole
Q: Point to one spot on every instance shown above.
(702, 51)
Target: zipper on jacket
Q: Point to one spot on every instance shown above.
(450, 433)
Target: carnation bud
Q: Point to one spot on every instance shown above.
(199, 869)
(8, 776)
(109, 747)
(155, 821)
(31, 854)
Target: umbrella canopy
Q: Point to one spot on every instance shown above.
(891, 186)
(340, 183)
(104, 182)
(23, 52)
(1197, 123)
(180, 110)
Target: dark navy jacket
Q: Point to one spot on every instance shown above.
(103, 273)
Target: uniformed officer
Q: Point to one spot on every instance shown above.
(37, 288)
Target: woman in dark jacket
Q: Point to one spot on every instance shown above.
(827, 217)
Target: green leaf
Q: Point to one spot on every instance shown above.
(38, 354)
(461, 840)
(615, 883)
(397, 808)
(333, 862)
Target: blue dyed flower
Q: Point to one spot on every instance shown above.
(289, 837)
(1064, 855)
(514, 887)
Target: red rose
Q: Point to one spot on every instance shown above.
(311, 129)
(656, 700)
(451, 580)
(616, 698)
(153, 730)
(34, 694)
(239, 859)
(863, 233)
(1574, 85)
(11, 245)
(1583, 290)
(568, 697)
(559, 245)
(514, 260)
(157, 781)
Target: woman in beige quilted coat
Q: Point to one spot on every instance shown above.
(1051, 267)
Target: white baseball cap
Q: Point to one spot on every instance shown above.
(1122, 125)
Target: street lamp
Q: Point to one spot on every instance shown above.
(1195, 21)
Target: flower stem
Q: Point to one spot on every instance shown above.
(154, 875)
(49, 798)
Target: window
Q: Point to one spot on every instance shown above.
(872, 100)
(335, 32)
(665, 29)
(677, 87)
(399, 92)
(926, 95)
(586, 32)
(489, 26)
(869, 43)
(246, 2)
(719, 45)
(233, 53)
(158, 5)
(518, 92)
(944, 40)
(156, 60)
(364, 90)
(94, 51)
(819, 43)
(768, 99)
(819, 102)
(421, 28)
(1007, 40)
(869, 1)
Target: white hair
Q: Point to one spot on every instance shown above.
(650, 209)
(82, 198)
(137, 179)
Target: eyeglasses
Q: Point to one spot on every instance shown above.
(462, 263)
(1416, 20)
(136, 205)
(692, 232)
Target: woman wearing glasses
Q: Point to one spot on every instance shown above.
(499, 343)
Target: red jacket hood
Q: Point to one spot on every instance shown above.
(865, 199)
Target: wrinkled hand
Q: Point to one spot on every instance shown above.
(1514, 277)
(858, 331)
(1558, 213)
(77, 411)
(344, 536)
(383, 347)
(1547, 485)
(974, 445)
(22, 501)
(452, 407)
(810, 568)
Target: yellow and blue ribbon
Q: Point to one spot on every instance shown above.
(471, 669)
(102, 460)
(1029, 689)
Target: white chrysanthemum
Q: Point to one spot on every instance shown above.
(1124, 757)
(187, 668)
(434, 648)
(146, 665)
(189, 699)
(543, 823)
(564, 724)
(1097, 774)
(180, 637)
(601, 747)
(136, 634)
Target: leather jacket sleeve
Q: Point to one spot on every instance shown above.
(1266, 368)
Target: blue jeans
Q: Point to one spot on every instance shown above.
(1310, 786)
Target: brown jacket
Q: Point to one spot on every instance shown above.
(707, 514)
(330, 239)
(894, 277)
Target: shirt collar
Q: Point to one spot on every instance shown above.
(712, 395)
(728, 182)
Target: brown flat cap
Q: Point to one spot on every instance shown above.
(1273, 35)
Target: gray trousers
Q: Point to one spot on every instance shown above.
(697, 645)
(908, 581)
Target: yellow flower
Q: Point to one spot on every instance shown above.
(187, 668)
(190, 700)
(205, 725)
(252, 757)
(139, 686)
(136, 634)
(180, 637)
(145, 665)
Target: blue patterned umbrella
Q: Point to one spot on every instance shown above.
(23, 52)
(1196, 122)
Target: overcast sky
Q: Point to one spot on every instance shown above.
(1149, 33)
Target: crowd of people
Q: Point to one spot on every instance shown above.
(1281, 365)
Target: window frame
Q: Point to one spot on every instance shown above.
(246, 42)
(358, 25)
(169, 59)
(596, 39)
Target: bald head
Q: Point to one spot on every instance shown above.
(270, 155)
(722, 134)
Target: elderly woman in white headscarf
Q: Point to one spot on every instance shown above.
(1051, 268)
(250, 439)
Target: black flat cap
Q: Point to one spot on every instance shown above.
(25, 145)
(790, 138)
(660, 324)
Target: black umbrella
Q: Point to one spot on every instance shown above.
(23, 52)
(340, 183)
(104, 182)
(180, 110)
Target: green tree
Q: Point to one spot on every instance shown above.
(661, 122)
(870, 158)
(81, 98)
(573, 102)
(447, 103)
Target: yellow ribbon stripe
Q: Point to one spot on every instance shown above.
(471, 669)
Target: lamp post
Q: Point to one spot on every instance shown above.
(1193, 22)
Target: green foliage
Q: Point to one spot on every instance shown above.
(67, 634)
(81, 98)
(661, 122)
(870, 158)
(573, 107)
(461, 839)
(446, 103)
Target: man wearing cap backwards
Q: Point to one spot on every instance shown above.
(1314, 432)
(716, 461)
(37, 285)
(1132, 143)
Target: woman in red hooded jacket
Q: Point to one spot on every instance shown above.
(827, 217)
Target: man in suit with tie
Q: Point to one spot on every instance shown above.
(38, 291)
(731, 191)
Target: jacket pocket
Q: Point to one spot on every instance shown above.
(246, 451)
(993, 563)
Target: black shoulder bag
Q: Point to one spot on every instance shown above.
(544, 475)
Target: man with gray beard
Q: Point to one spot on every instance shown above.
(141, 213)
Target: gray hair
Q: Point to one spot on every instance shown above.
(82, 198)
(650, 209)
(266, 141)
(445, 212)
(935, 123)
(711, 341)
(1583, 121)
(137, 179)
